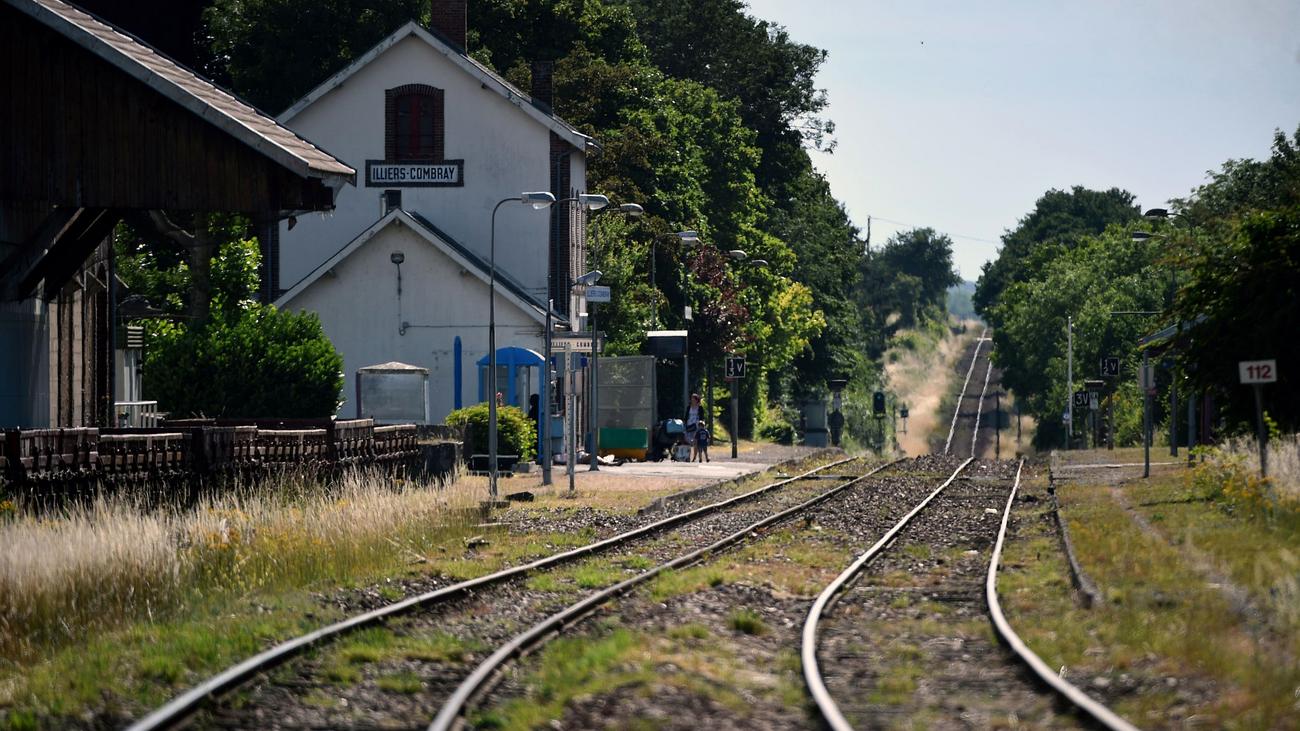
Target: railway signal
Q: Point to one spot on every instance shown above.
(735, 370)
(1110, 367)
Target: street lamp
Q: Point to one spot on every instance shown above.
(1143, 236)
(537, 200)
(591, 202)
(689, 238)
(631, 210)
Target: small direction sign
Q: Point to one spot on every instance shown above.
(598, 294)
(735, 368)
(1257, 371)
(1080, 399)
(1110, 367)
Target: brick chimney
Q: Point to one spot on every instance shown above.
(543, 88)
(447, 17)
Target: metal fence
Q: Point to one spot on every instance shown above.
(627, 392)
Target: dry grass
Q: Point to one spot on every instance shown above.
(1283, 462)
(912, 375)
(88, 569)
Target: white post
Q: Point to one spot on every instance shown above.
(1069, 377)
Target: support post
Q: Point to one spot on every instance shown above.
(548, 393)
(1069, 377)
(686, 385)
(1110, 420)
(1173, 410)
(570, 411)
(1191, 426)
(594, 419)
(1263, 430)
(735, 416)
(1146, 415)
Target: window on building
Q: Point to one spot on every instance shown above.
(413, 125)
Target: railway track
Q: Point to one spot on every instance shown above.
(700, 525)
(876, 650)
(964, 429)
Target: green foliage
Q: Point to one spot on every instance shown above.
(257, 362)
(274, 51)
(515, 431)
(1060, 220)
(1100, 275)
(778, 426)
(161, 270)
(1239, 270)
(905, 283)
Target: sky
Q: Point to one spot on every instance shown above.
(959, 115)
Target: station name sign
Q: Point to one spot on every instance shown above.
(383, 174)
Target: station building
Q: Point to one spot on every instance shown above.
(399, 270)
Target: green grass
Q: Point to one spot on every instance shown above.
(341, 663)
(747, 621)
(689, 631)
(569, 668)
(1159, 619)
(672, 583)
(407, 683)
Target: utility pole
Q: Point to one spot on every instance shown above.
(1069, 377)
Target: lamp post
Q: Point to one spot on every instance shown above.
(1142, 236)
(690, 238)
(593, 202)
(631, 210)
(538, 200)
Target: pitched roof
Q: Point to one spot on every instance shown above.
(513, 291)
(182, 86)
(485, 76)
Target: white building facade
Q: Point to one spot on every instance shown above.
(399, 270)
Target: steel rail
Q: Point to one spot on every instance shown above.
(830, 711)
(952, 429)
(184, 705)
(451, 712)
(979, 409)
(1071, 693)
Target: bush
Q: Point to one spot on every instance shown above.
(516, 433)
(777, 426)
(257, 362)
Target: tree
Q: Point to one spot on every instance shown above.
(1100, 275)
(1060, 220)
(1239, 258)
(275, 51)
(184, 272)
(256, 362)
